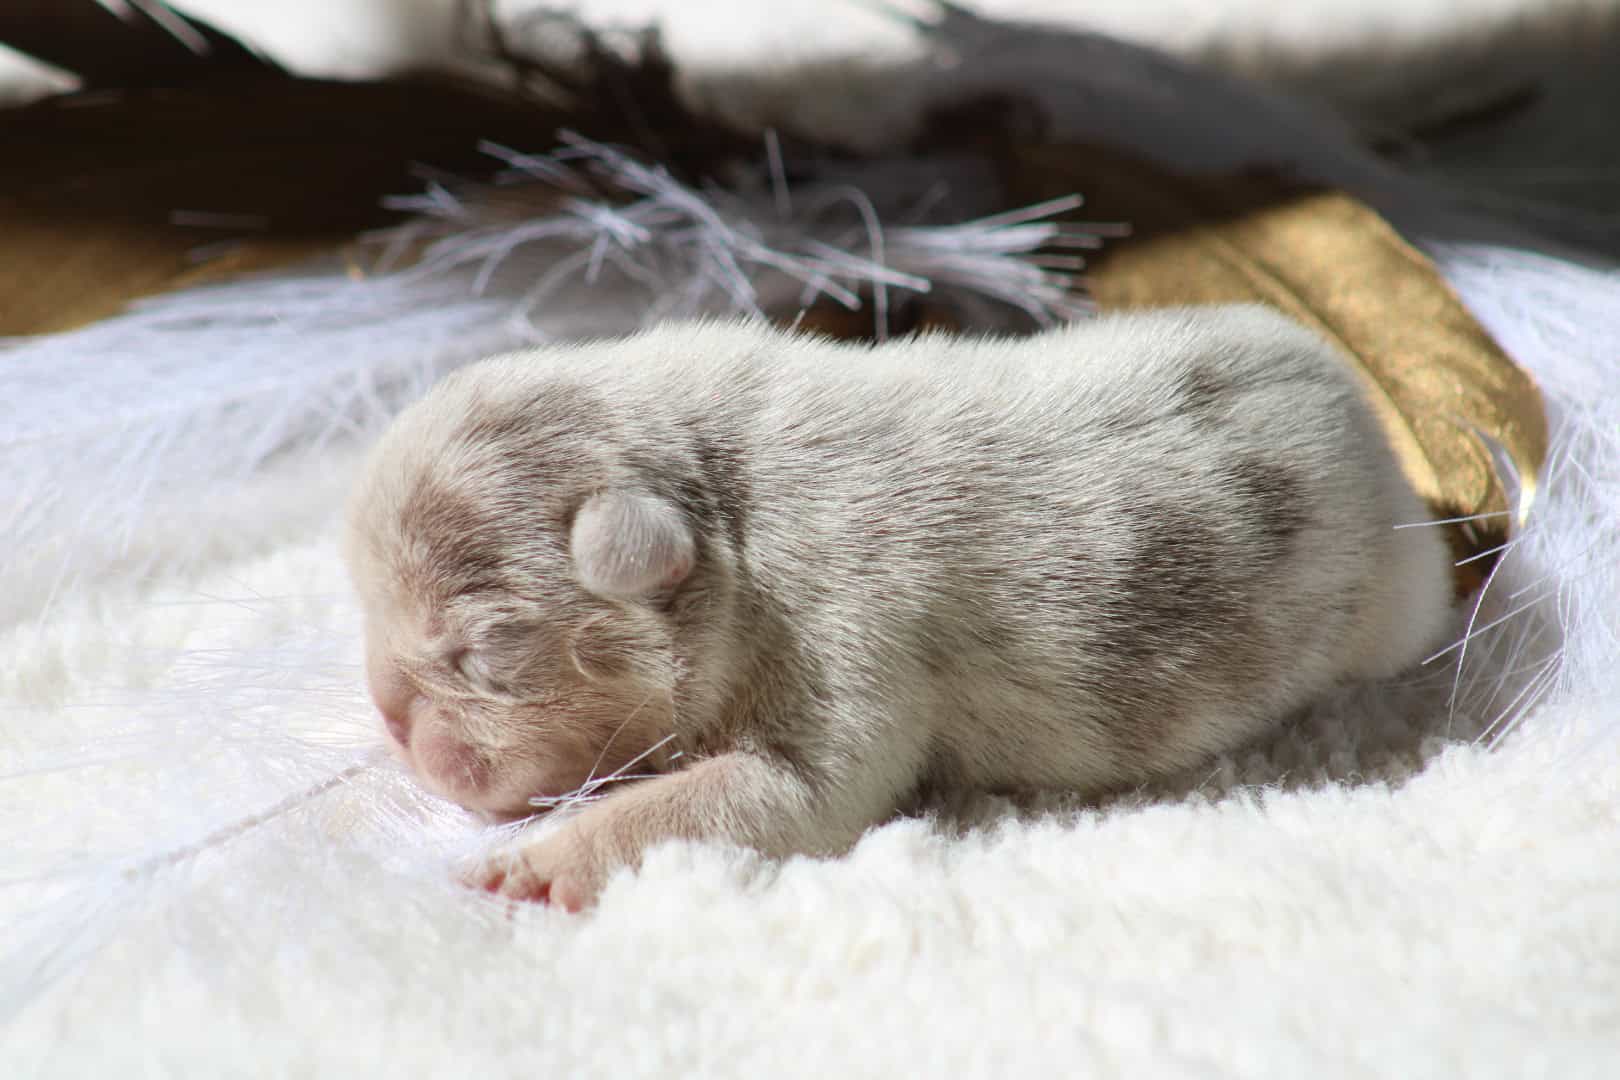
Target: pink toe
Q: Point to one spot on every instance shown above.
(567, 895)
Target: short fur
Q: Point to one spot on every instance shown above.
(835, 576)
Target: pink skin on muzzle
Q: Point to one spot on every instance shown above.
(450, 763)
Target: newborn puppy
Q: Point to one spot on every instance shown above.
(800, 582)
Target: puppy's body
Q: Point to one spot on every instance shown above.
(836, 575)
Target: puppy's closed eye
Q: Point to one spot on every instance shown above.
(490, 665)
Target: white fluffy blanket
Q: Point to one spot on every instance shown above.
(206, 868)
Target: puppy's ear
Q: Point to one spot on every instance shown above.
(626, 546)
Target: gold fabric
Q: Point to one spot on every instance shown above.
(1444, 390)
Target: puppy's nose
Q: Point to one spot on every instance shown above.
(395, 699)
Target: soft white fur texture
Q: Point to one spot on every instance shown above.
(208, 870)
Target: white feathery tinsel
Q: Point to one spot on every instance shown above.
(107, 427)
(762, 249)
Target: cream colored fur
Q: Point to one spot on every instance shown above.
(838, 577)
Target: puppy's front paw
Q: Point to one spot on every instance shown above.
(564, 868)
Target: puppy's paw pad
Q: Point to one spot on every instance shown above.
(510, 879)
(569, 894)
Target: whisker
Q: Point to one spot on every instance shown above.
(554, 802)
(586, 792)
(1468, 634)
(597, 764)
(1564, 567)
(1533, 689)
(614, 778)
(1521, 609)
(618, 774)
(1487, 553)
(1454, 520)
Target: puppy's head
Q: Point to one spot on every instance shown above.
(520, 583)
